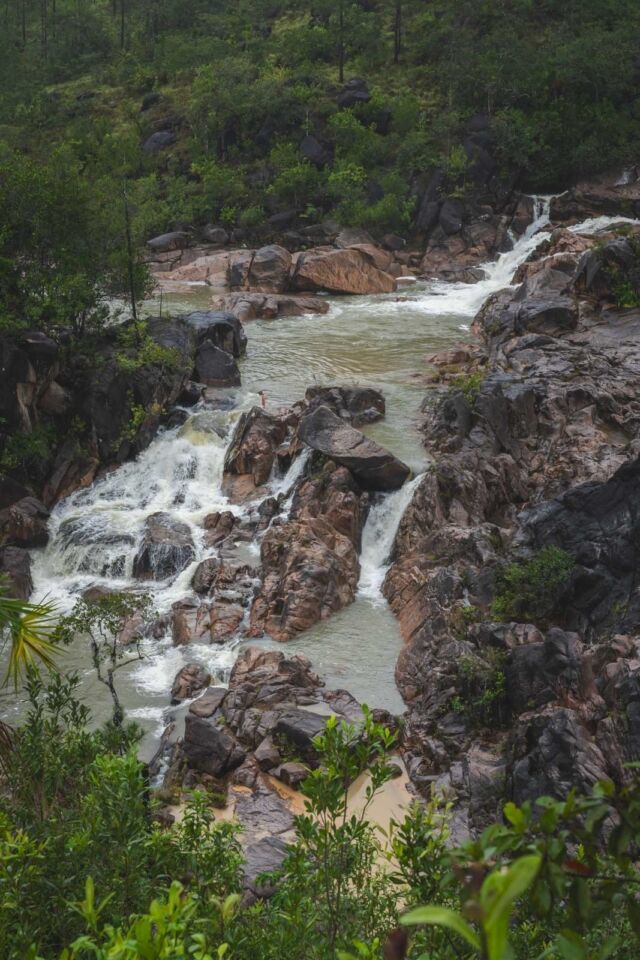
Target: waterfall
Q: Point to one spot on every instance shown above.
(378, 536)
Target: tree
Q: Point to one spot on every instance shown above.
(104, 621)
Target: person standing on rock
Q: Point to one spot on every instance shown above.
(263, 398)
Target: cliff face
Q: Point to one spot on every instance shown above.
(515, 566)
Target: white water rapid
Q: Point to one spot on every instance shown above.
(377, 341)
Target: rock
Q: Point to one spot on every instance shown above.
(11, 491)
(191, 679)
(221, 327)
(312, 150)
(218, 527)
(261, 857)
(373, 466)
(208, 748)
(209, 703)
(176, 240)
(166, 548)
(54, 401)
(602, 270)
(218, 236)
(191, 394)
(267, 755)
(150, 100)
(24, 523)
(252, 450)
(353, 237)
(159, 141)
(15, 565)
(340, 271)
(298, 728)
(269, 270)
(310, 571)
(293, 773)
(451, 216)
(358, 405)
(393, 242)
(256, 306)
(354, 92)
(216, 367)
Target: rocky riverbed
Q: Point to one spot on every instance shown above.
(253, 521)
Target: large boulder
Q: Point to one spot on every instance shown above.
(373, 466)
(175, 240)
(269, 270)
(216, 367)
(252, 450)
(358, 405)
(24, 523)
(166, 548)
(208, 748)
(221, 327)
(340, 271)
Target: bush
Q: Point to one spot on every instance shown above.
(530, 590)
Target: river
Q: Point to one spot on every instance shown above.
(380, 341)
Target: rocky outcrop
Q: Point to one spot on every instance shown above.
(539, 450)
(15, 567)
(357, 267)
(310, 562)
(373, 466)
(24, 523)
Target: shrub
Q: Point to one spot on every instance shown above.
(530, 590)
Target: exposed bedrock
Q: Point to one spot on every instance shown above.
(539, 451)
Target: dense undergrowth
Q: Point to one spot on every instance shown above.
(88, 870)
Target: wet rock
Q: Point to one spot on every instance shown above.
(24, 523)
(267, 755)
(191, 679)
(216, 367)
(269, 270)
(15, 565)
(601, 271)
(340, 271)
(166, 548)
(221, 327)
(218, 527)
(553, 754)
(252, 451)
(310, 571)
(256, 306)
(358, 405)
(292, 773)
(374, 467)
(209, 703)
(208, 748)
(261, 857)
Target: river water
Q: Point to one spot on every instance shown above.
(380, 341)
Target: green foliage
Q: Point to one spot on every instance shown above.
(470, 386)
(104, 621)
(482, 686)
(530, 590)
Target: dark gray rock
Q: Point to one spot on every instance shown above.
(159, 141)
(191, 679)
(166, 548)
(373, 466)
(209, 748)
(15, 565)
(175, 240)
(216, 367)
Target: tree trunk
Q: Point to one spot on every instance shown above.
(397, 32)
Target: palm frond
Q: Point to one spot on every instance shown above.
(28, 627)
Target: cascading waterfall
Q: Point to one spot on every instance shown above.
(381, 342)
